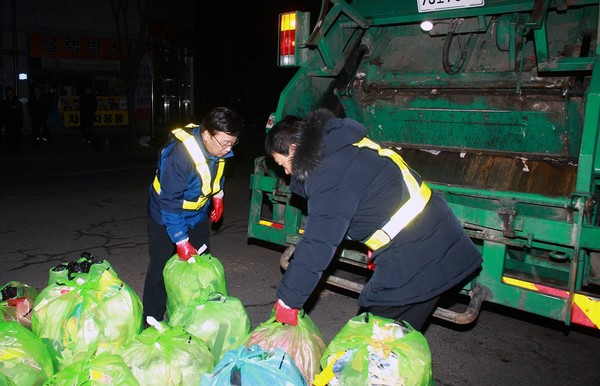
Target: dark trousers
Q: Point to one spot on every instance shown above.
(415, 314)
(13, 136)
(87, 128)
(161, 249)
(39, 129)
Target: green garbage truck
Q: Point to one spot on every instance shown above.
(495, 103)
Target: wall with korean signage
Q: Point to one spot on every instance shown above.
(64, 46)
(112, 111)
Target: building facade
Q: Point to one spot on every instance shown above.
(67, 45)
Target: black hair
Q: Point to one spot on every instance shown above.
(224, 120)
(282, 135)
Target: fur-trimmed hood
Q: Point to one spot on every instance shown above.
(322, 134)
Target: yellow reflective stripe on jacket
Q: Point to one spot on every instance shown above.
(419, 196)
(156, 184)
(197, 156)
(202, 168)
(195, 205)
(217, 181)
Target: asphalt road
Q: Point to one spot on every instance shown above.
(58, 201)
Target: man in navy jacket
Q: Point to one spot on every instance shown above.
(189, 176)
(354, 188)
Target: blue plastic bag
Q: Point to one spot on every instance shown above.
(253, 366)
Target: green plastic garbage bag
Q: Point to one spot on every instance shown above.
(104, 369)
(304, 342)
(24, 359)
(164, 356)
(67, 271)
(94, 309)
(221, 321)
(374, 350)
(17, 302)
(184, 279)
(4, 381)
(253, 366)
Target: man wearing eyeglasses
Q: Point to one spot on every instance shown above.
(189, 178)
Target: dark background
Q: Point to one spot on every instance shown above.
(235, 54)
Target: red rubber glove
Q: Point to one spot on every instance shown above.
(217, 211)
(185, 250)
(285, 314)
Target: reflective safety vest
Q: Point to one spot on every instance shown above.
(202, 168)
(418, 197)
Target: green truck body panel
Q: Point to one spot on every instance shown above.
(497, 107)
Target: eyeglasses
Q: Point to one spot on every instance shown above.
(224, 145)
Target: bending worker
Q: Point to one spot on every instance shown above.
(189, 176)
(358, 189)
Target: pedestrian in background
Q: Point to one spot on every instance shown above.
(361, 190)
(39, 105)
(189, 176)
(54, 114)
(88, 104)
(11, 113)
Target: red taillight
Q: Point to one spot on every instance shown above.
(288, 44)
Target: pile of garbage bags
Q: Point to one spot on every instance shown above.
(86, 327)
(86, 308)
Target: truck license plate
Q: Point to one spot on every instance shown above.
(442, 5)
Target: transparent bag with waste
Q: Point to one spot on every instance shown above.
(185, 279)
(93, 309)
(163, 356)
(221, 321)
(24, 359)
(371, 350)
(304, 342)
(104, 369)
(17, 302)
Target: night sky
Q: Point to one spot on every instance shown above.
(235, 54)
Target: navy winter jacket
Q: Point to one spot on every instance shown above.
(351, 192)
(179, 181)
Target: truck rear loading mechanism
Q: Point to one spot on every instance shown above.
(495, 104)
